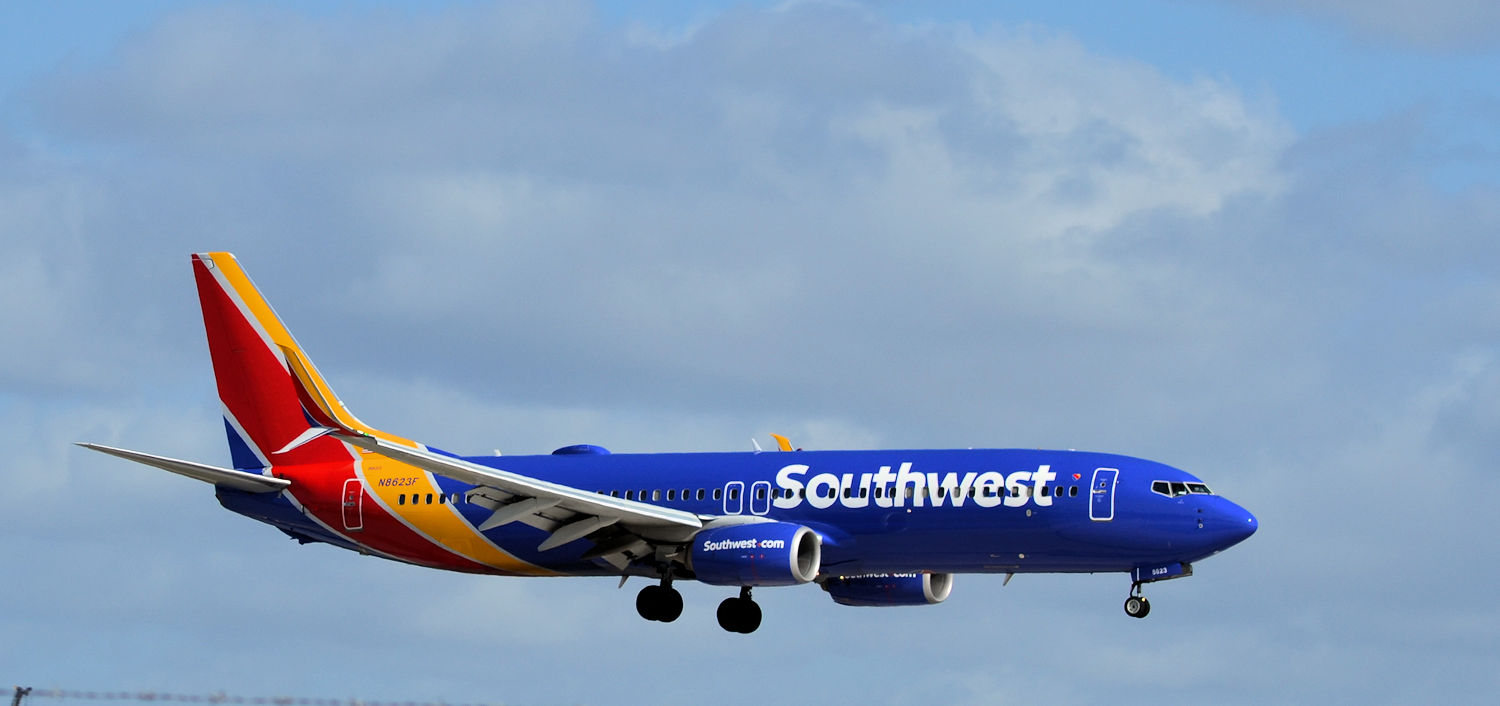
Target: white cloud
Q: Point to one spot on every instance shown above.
(505, 227)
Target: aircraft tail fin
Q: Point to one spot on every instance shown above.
(277, 407)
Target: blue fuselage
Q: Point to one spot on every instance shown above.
(957, 511)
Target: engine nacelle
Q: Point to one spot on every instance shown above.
(889, 589)
(760, 554)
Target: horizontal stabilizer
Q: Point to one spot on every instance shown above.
(239, 480)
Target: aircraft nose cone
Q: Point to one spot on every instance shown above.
(1234, 524)
(1248, 525)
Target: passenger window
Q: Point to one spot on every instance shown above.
(700, 493)
(734, 494)
(429, 498)
(718, 493)
(655, 495)
(401, 499)
(671, 494)
(629, 495)
(760, 493)
(1073, 492)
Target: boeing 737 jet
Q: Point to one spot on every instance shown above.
(872, 528)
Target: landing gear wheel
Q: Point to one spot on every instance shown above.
(659, 603)
(645, 602)
(670, 607)
(741, 615)
(1137, 606)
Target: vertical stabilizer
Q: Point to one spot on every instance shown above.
(261, 392)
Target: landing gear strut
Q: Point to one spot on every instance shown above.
(741, 615)
(661, 603)
(1136, 606)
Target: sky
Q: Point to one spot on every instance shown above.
(1255, 239)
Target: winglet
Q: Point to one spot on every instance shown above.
(782, 442)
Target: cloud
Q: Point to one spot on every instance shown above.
(519, 226)
(1452, 25)
(806, 196)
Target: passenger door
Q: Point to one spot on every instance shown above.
(354, 502)
(1102, 495)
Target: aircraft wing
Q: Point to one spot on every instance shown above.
(567, 512)
(239, 480)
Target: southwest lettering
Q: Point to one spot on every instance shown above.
(906, 487)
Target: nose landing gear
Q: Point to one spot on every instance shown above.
(1136, 606)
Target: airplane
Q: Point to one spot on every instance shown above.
(871, 527)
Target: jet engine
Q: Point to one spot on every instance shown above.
(760, 554)
(889, 589)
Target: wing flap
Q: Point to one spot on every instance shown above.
(239, 480)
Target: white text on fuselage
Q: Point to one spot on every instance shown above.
(905, 487)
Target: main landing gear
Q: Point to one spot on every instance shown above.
(1136, 606)
(741, 615)
(661, 603)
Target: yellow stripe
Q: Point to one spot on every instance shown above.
(303, 367)
(388, 479)
(439, 522)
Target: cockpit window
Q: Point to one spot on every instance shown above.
(1173, 489)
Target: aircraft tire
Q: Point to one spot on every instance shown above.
(741, 615)
(669, 607)
(645, 602)
(660, 603)
(1137, 606)
(750, 618)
